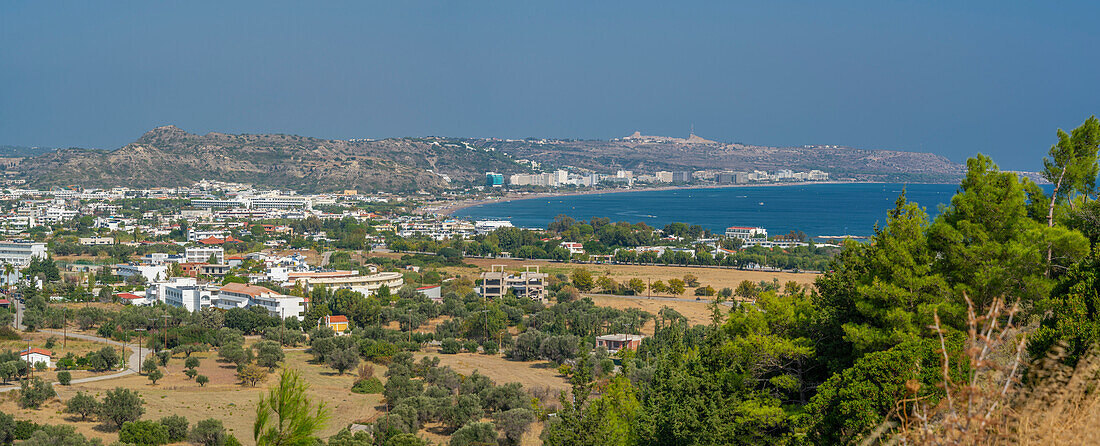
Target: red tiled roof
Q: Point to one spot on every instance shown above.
(336, 319)
(128, 296)
(427, 287)
(4, 302)
(40, 351)
(211, 241)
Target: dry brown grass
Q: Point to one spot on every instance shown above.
(716, 277)
(222, 398)
(696, 312)
(530, 374)
(1062, 406)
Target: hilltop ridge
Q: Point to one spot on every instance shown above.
(170, 156)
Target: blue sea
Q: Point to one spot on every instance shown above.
(816, 209)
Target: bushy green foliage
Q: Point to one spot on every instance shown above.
(142, 432)
(475, 433)
(176, 426)
(34, 392)
(208, 432)
(1071, 313)
(369, 385)
(82, 404)
(120, 406)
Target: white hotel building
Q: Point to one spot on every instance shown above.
(20, 253)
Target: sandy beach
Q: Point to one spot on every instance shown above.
(452, 207)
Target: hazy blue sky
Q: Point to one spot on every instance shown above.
(949, 77)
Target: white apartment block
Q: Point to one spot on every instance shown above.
(746, 232)
(239, 295)
(201, 254)
(149, 271)
(97, 241)
(281, 202)
(196, 235)
(20, 253)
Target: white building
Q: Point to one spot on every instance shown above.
(196, 235)
(365, 285)
(487, 226)
(239, 295)
(191, 297)
(281, 202)
(20, 253)
(746, 232)
(36, 355)
(97, 241)
(149, 271)
(201, 254)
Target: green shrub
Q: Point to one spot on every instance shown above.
(369, 385)
(64, 378)
(450, 346)
(177, 427)
(208, 432)
(143, 432)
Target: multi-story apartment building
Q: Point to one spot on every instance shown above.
(201, 254)
(20, 253)
(239, 295)
(496, 283)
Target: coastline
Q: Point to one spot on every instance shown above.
(451, 208)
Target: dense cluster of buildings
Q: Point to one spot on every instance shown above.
(559, 178)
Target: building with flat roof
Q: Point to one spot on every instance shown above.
(201, 254)
(746, 232)
(20, 253)
(497, 282)
(241, 295)
(361, 284)
(615, 342)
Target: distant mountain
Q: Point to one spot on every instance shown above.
(23, 151)
(651, 153)
(169, 156)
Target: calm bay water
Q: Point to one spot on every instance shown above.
(816, 209)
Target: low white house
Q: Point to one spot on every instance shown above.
(36, 355)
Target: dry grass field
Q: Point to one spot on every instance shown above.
(222, 398)
(716, 277)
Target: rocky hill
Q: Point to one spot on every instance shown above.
(169, 156)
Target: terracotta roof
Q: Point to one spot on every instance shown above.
(128, 296)
(40, 351)
(4, 302)
(427, 287)
(211, 241)
(336, 319)
(243, 288)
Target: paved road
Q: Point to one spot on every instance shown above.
(325, 257)
(133, 363)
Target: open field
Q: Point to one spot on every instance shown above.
(222, 398)
(696, 312)
(531, 374)
(716, 277)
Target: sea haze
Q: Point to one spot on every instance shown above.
(816, 209)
